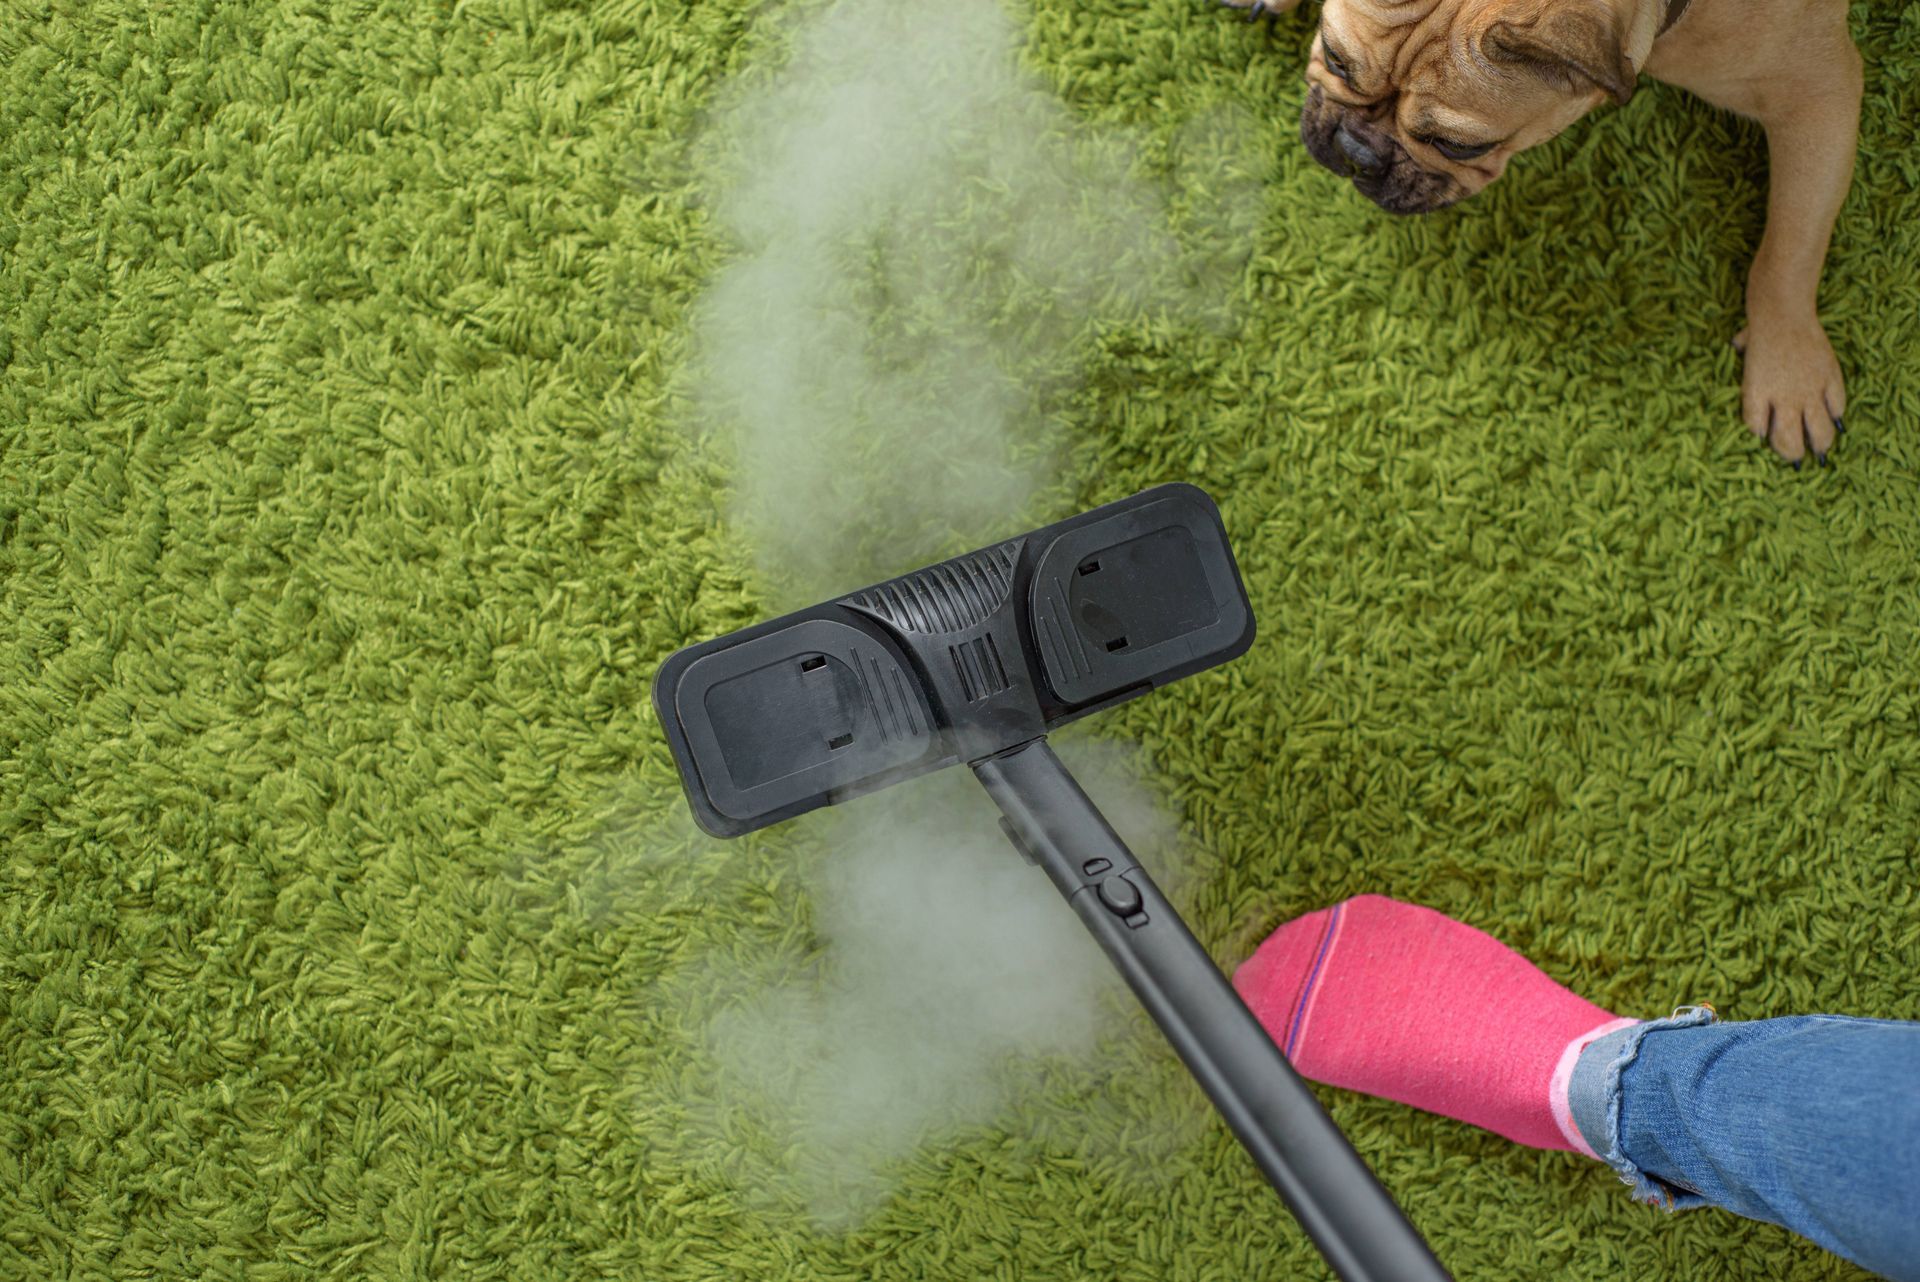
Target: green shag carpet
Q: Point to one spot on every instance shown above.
(346, 508)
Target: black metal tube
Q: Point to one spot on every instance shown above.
(1349, 1216)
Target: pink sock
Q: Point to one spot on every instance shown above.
(1401, 1001)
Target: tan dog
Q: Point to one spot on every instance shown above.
(1423, 102)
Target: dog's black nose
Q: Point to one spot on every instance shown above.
(1366, 162)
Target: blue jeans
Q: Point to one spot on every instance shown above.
(1811, 1122)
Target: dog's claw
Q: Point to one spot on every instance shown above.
(1257, 10)
(1839, 425)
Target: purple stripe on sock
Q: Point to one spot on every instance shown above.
(1313, 976)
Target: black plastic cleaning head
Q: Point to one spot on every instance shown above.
(952, 663)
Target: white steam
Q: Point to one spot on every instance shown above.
(944, 966)
(927, 244)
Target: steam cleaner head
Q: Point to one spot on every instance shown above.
(954, 662)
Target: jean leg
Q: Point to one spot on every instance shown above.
(1811, 1122)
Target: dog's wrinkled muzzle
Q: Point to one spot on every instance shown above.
(1379, 167)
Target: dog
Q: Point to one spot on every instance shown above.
(1421, 103)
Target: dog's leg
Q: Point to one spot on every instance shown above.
(1805, 91)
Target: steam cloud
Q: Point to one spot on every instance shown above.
(944, 967)
(927, 239)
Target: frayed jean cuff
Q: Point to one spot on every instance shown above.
(1646, 1188)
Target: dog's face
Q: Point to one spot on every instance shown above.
(1423, 103)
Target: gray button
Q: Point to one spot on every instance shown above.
(1120, 896)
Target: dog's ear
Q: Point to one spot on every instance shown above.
(1574, 45)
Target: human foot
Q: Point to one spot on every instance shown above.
(1403, 1002)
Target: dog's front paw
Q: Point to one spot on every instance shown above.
(1261, 8)
(1791, 391)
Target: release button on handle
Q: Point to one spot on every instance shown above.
(1121, 896)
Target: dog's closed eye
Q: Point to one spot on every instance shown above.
(1335, 63)
(1455, 150)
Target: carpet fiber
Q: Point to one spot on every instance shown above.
(344, 517)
